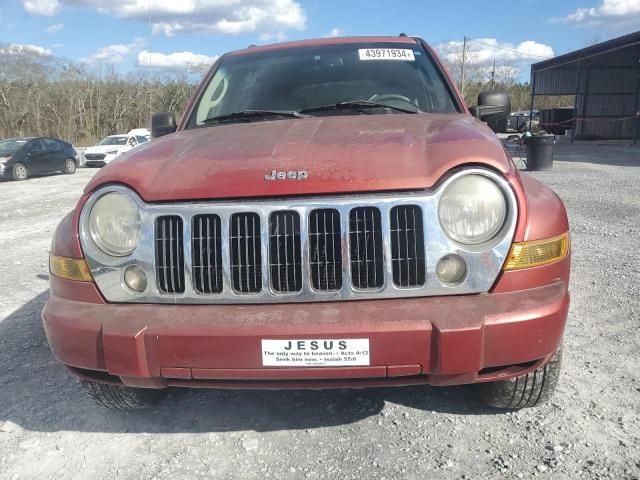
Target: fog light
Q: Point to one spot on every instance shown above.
(451, 269)
(135, 278)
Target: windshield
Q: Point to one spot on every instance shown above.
(9, 147)
(114, 141)
(295, 79)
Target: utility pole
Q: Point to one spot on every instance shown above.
(464, 59)
(493, 75)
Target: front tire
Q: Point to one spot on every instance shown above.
(20, 172)
(70, 166)
(529, 390)
(116, 397)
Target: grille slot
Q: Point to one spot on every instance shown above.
(325, 249)
(169, 254)
(365, 236)
(285, 253)
(246, 256)
(206, 254)
(407, 246)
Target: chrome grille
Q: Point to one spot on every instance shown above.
(325, 249)
(206, 254)
(246, 254)
(169, 254)
(365, 237)
(336, 261)
(407, 246)
(285, 252)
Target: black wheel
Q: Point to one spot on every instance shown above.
(528, 390)
(20, 172)
(70, 166)
(122, 398)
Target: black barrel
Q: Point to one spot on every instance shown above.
(540, 152)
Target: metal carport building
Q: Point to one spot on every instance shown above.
(605, 79)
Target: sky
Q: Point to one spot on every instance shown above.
(180, 34)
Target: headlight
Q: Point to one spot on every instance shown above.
(113, 152)
(472, 209)
(114, 224)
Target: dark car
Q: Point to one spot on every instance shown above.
(25, 156)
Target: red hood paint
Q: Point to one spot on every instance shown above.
(342, 154)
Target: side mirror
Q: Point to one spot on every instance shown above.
(493, 107)
(163, 124)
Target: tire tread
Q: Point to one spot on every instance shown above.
(525, 391)
(117, 397)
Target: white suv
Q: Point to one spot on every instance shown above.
(113, 146)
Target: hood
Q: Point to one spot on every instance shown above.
(341, 154)
(103, 148)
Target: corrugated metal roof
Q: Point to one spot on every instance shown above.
(588, 52)
(596, 80)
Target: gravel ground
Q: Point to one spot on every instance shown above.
(50, 429)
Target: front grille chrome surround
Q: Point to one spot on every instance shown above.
(407, 246)
(285, 253)
(246, 253)
(169, 248)
(365, 241)
(325, 249)
(324, 229)
(206, 254)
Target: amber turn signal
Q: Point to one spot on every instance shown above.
(538, 252)
(69, 268)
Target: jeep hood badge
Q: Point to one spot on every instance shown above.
(292, 175)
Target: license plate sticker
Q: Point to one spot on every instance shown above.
(402, 54)
(315, 352)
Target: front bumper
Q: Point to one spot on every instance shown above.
(435, 340)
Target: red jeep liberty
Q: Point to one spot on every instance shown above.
(327, 214)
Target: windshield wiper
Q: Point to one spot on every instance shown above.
(356, 105)
(253, 114)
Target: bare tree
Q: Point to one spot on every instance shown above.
(42, 95)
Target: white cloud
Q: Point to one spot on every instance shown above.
(115, 53)
(19, 49)
(174, 61)
(55, 28)
(481, 52)
(486, 50)
(335, 32)
(610, 13)
(170, 17)
(46, 8)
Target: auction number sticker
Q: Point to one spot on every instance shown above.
(403, 54)
(315, 352)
